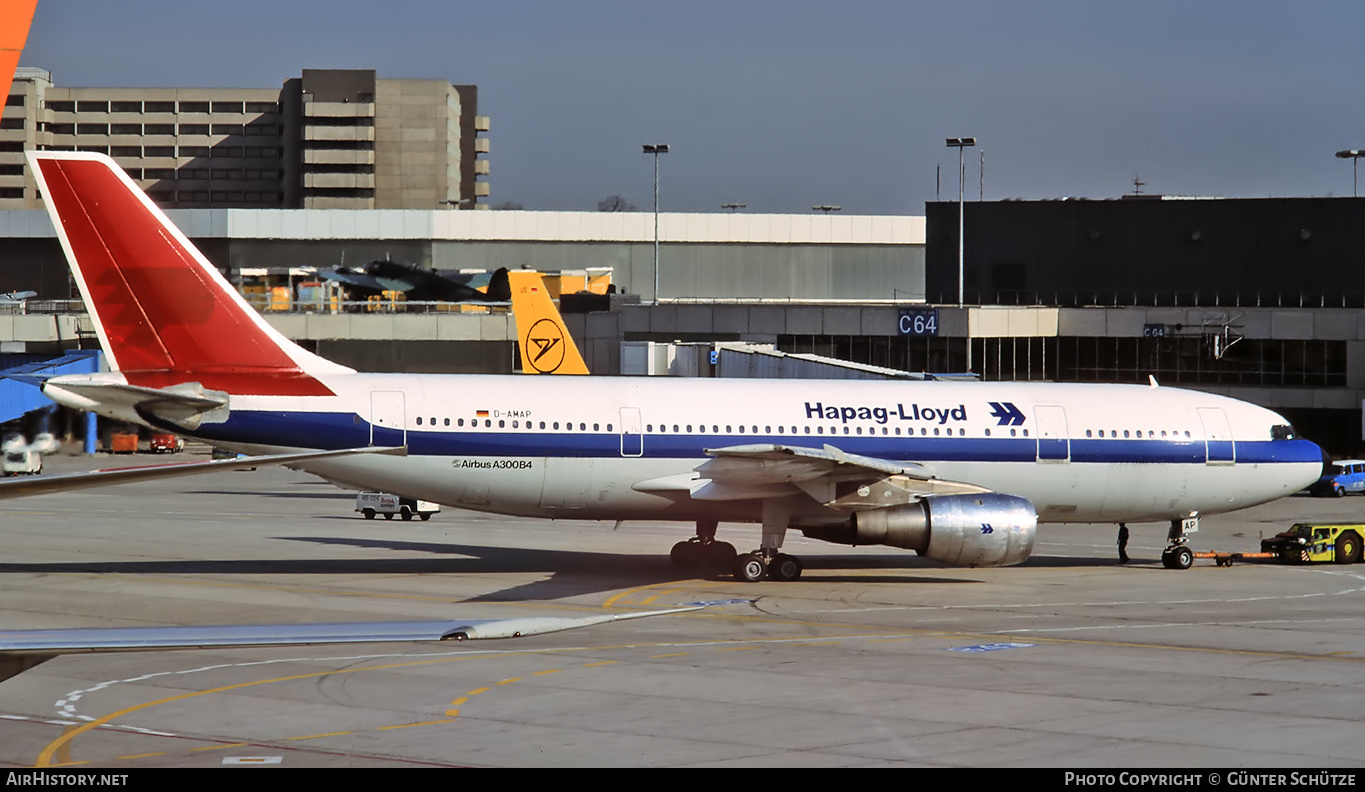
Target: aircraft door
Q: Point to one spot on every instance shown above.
(1054, 442)
(1217, 436)
(632, 441)
(388, 420)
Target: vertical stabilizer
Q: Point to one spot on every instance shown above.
(545, 343)
(15, 18)
(164, 315)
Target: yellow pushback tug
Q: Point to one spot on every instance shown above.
(1305, 543)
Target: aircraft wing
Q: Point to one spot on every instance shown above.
(41, 485)
(23, 649)
(828, 474)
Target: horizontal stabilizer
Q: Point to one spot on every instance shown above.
(41, 485)
(187, 404)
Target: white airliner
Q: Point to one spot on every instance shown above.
(961, 472)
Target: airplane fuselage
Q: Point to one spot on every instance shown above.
(579, 448)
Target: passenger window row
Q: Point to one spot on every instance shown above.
(515, 424)
(768, 430)
(1137, 433)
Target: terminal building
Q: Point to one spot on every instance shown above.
(330, 139)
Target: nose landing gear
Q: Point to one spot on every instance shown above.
(1178, 554)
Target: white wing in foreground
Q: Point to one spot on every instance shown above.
(23, 649)
(41, 485)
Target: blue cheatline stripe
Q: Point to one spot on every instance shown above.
(347, 430)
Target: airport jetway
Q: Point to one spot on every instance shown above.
(753, 361)
(764, 362)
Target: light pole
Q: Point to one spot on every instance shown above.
(656, 149)
(960, 144)
(1354, 156)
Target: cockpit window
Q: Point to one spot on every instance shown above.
(1282, 432)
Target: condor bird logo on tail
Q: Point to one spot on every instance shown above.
(547, 346)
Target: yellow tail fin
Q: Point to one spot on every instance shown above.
(546, 347)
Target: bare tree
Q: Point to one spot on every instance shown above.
(615, 203)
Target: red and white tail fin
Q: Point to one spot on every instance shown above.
(163, 313)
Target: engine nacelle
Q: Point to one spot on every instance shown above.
(989, 529)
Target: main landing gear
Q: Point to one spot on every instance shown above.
(1178, 554)
(703, 551)
(761, 563)
(766, 562)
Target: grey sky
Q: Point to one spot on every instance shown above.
(782, 105)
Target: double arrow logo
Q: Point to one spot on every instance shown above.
(1008, 414)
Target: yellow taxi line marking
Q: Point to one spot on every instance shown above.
(614, 600)
(316, 736)
(410, 725)
(143, 756)
(220, 747)
(63, 743)
(674, 654)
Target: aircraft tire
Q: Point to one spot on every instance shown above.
(720, 555)
(1348, 548)
(751, 567)
(784, 567)
(1178, 558)
(686, 555)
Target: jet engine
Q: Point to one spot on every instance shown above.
(989, 529)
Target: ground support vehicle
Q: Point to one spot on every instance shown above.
(372, 503)
(165, 443)
(1302, 544)
(20, 460)
(1340, 478)
(1305, 543)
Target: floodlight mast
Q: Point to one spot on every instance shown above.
(1354, 156)
(656, 149)
(960, 144)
